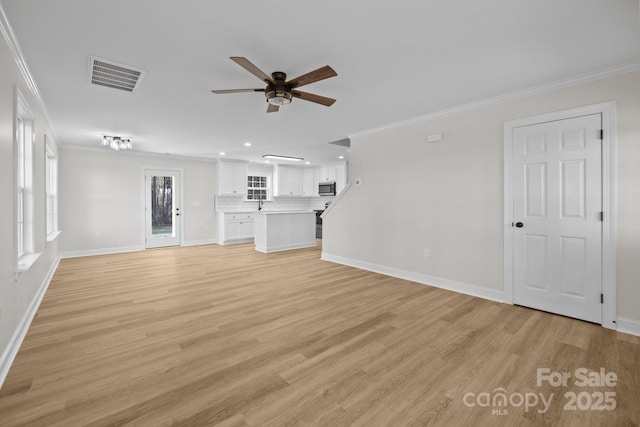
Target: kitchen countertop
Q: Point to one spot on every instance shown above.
(283, 212)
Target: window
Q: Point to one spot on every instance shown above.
(23, 167)
(257, 188)
(51, 190)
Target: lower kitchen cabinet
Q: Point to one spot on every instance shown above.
(235, 227)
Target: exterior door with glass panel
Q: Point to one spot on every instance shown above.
(162, 208)
(557, 204)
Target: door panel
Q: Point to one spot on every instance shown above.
(162, 208)
(558, 198)
(536, 176)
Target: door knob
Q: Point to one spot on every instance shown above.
(519, 224)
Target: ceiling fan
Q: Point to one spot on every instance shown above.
(279, 91)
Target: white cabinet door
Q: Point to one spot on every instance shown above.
(341, 177)
(232, 178)
(246, 229)
(235, 227)
(309, 187)
(233, 230)
(239, 230)
(326, 173)
(289, 181)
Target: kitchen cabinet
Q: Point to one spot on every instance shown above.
(303, 182)
(235, 227)
(341, 177)
(309, 186)
(288, 180)
(333, 173)
(326, 173)
(232, 178)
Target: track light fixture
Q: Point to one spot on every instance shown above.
(116, 143)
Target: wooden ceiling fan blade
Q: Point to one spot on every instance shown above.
(248, 65)
(272, 108)
(323, 100)
(312, 77)
(219, 92)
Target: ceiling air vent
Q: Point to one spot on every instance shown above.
(111, 74)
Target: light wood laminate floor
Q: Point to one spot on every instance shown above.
(224, 335)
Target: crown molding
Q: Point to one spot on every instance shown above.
(535, 90)
(21, 63)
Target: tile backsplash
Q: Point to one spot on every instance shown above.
(238, 204)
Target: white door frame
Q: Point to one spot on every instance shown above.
(143, 200)
(608, 111)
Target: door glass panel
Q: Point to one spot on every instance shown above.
(162, 223)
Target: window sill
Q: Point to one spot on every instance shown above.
(25, 263)
(52, 236)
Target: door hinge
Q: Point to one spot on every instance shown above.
(601, 134)
(601, 216)
(601, 298)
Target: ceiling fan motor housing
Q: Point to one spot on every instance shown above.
(278, 93)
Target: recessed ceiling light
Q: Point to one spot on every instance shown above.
(277, 157)
(222, 153)
(341, 157)
(247, 144)
(267, 161)
(307, 163)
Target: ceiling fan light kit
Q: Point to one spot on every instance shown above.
(279, 91)
(278, 97)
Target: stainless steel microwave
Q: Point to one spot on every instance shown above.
(327, 189)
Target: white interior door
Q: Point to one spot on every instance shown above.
(557, 204)
(162, 208)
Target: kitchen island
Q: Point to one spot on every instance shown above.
(281, 231)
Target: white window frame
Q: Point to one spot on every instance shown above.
(252, 189)
(23, 160)
(51, 192)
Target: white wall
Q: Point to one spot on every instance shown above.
(18, 296)
(101, 192)
(448, 197)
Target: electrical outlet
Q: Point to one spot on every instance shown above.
(426, 253)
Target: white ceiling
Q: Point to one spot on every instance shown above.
(395, 60)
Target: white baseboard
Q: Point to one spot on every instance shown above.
(285, 247)
(10, 352)
(425, 279)
(628, 326)
(236, 241)
(102, 251)
(200, 242)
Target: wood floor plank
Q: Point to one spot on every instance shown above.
(224, 335)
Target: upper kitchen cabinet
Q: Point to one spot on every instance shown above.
(341, 177)
(333, 173)
(309, 187)
(288, 180)
(303, 181)
(232, 178)
(326, 173)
